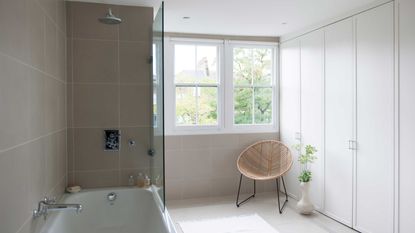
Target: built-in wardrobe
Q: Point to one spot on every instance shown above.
(337, 93)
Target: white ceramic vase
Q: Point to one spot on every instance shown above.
(305, 206)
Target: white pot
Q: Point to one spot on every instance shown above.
(305, 206)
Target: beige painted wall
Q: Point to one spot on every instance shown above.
(109, 87)
(205, 165)
(32, 109)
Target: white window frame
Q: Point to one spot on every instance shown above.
(225, 90)
(274, 81)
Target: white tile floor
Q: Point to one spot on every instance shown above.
(263, 204)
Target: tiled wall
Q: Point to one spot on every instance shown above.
(32, 109)
(109, 87)
(205, 165)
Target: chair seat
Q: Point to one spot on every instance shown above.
(265, 160)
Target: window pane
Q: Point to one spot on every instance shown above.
(243, 105)
(208, 105)
(207, 63)
(263, 105)
(242, 66)
(262, 67)
(184, 63)
(185, 105)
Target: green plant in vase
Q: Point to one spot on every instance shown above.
(306, 157)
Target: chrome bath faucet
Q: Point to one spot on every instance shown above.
(49, 204)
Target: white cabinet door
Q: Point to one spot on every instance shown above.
(290, 107)
(375, 120)
(312, 115)
(339, 121)
(407, 115)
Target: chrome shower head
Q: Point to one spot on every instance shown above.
(110, 18)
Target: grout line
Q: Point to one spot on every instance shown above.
(111, 83)
(50, 18)
(110, 40)
(32, 140)
(32, 67)
(120, 126)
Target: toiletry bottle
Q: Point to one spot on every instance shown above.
(131, 180)
(140, 180)
(147, 181)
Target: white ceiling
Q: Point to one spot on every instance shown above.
(247, 17)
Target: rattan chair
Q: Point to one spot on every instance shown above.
(265, 160)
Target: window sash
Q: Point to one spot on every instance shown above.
(253, 86)
(197, 105)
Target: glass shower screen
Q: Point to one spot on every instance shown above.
(157, 152)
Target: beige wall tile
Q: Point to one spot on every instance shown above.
(246, 140)
(69, 105)
(50, 145)
(174, 166)
(71, 179)
(13, 28)
(69, 64)
(36, 82)
(214, 162)
(197, 163)
(50, 7)
(70, 149)
(95, 61)
(173, 142)
(69, 19)
(85, 21)
(61, 15)
(61, 154)
(32, 226)
(89, 151)
(51, 52)
(54, 104)
(61, 112)
(137, 23)
(59, 188)
(37, 173)
(14, 199)
(197, 188)
(197, 141)
(224, 163)
(97, 179)
(32, 107)
(13, 103)
(174, 189)
(135, 105)
(36, 20)
(134, 65)
(135, 156)
(95, 105)
(225, 186)
(225, 141)
(100, 98)
(61, 56)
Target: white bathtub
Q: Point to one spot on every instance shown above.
(134, 211)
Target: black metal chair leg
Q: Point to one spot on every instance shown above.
(239, 191)
(278, 195)
(285, 190)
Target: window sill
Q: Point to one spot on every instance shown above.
(236, 130)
